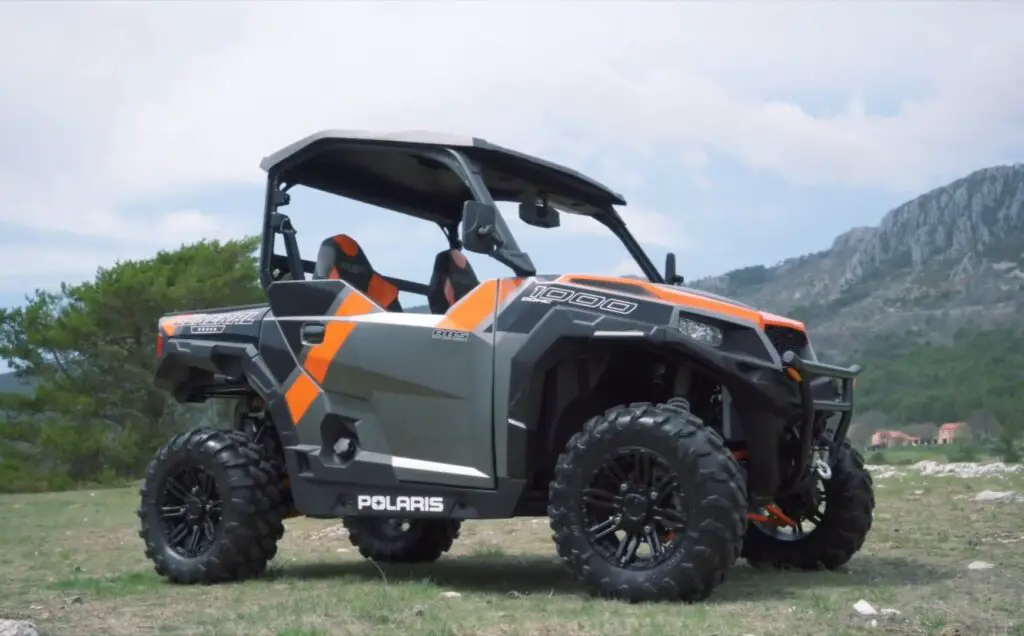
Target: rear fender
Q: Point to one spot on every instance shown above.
(188, 366)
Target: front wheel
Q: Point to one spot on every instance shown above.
(647, 504)
(832, 525)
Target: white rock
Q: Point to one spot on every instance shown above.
(17, 628)
(888, 611)
(864, 608)
(948, 469)
(980, 565)
(874, 623)
(882, 472)
(967, 469)
(998, 496)
(450, 595)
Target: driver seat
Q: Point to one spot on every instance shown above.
(340, 257)
(453, 277)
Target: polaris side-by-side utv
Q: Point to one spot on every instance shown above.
(650, 421)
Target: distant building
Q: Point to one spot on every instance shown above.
(951, 432)
(886, 439)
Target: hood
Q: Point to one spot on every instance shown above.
(706, 294)
(688, 296)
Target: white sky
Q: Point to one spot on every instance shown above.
(106, 109)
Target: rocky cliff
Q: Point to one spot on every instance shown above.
(950, 258)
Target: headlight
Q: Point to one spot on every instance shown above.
(702, 332)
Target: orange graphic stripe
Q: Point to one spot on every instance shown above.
(320, 356)
(479, 304)
(300, 396)
(304, 391)
(169, 325)
(680, 297)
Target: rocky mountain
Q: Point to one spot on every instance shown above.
(950, 258)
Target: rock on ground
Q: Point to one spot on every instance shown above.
(17, 628)
(950, 469)
(997, 496)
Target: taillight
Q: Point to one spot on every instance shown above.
(159, 345)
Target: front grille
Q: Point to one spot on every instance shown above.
(786, 339)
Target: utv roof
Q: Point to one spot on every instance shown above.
(394, 170)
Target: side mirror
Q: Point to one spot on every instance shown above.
(671, 277)
(479, 233)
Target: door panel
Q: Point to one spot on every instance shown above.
(420, 386)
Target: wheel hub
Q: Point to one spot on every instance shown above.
(633, 508)
(194, 509)
(636, 508)
(190, 508)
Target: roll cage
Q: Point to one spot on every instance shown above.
(437, 178)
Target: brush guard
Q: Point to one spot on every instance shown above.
(806, 371)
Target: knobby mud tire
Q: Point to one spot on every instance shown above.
(845, 524)
(273, 452)
(424, 541)
(710, 478)
(250, 523)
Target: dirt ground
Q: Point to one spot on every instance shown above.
(73, 564)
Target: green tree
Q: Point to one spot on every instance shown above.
(89, 349)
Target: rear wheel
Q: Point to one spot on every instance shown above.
(833, 522)
(394, 540)
(210, 508)
(647, 504)
(262, 432)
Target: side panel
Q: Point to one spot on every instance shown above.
(417, 389)
(584, 311)
(550, 318)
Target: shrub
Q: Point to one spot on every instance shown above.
(963, 453)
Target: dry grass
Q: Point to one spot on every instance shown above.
(72, 563)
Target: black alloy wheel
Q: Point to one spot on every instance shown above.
(190, 508)
(633, 509)
(647, 504)
(834, 520)
(209, 508)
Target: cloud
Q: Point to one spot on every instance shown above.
(647, 226)
(113, 104)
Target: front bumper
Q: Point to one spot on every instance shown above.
(818, 397)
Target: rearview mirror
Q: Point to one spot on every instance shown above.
(479, 233)
(539, 215)
(671, 277)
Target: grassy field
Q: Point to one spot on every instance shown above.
(72, 563)
(905, 455)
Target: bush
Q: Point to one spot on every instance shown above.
(963, 453)
(877, 457)
(1007, 450)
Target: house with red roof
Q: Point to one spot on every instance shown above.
(951, 432)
